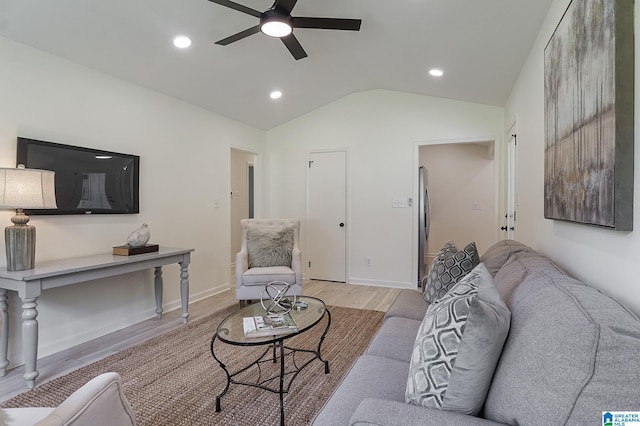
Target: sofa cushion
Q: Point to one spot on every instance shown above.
(516, 268)
(448, 267)
(498, 254)
(269, 246)
(370, 376)
(395, 339)
(571, 354)
(458, 346)
(376, 412)
(408, 304)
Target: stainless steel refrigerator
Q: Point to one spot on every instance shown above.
(424, 219)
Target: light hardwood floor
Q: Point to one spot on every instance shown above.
(50, 367)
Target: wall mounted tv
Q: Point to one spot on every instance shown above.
(88, 181)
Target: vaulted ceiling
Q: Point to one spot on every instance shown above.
(481, 46)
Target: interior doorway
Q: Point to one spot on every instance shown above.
(462, 178)
(242, 196)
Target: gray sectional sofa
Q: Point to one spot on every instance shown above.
(572, 353)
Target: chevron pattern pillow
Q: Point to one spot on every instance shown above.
(447, 268)
(458, 346)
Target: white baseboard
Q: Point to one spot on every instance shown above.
(381, 283)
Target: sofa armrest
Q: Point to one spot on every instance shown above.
(378, 412)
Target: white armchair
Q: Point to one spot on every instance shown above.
(100, 401)
(269, 252)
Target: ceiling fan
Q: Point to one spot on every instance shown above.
(278, 22)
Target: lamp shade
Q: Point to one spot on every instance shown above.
(22, 188)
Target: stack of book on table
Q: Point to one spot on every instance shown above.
(269, 325)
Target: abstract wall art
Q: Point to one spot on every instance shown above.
(588, 89)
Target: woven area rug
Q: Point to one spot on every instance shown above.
(172, 379)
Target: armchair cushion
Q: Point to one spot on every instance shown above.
(269, 246)
(263, 276)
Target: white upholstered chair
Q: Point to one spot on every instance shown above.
(100, 401)
(269, 252)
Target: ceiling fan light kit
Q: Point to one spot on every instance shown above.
(277, 22)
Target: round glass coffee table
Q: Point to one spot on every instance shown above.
(231, 332)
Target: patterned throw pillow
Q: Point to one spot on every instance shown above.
(458, 346)
(447, 268)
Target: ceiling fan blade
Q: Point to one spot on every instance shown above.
(294, 46)
(285, 5)
(239, 36)
(327, 23)
(238, 7)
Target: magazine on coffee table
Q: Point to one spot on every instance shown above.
(269, 325)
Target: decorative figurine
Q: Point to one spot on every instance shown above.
(139, 237)
(275, 295)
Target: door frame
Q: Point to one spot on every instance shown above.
(511, 184)
(499, 181)
(257, 188)
(347, 207)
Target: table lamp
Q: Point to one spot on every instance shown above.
(22, 188)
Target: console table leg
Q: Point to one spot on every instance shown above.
(281, 382)
(30, 339)
(157, 282)
(4, 338)
(184, 290)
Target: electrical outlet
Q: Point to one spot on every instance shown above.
(368, 261)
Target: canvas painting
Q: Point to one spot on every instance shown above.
(589, 115)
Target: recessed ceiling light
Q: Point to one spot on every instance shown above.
(182, 42)
(276, 94)
(436, 72)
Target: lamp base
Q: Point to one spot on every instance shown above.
(20, 245)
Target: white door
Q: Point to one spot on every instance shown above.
(511, 183)
(327, 216)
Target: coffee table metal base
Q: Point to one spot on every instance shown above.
(274, 352)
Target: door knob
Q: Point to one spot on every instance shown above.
(341, 224)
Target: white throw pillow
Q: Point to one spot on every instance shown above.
(269, 246)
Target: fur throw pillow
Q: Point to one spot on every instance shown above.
(269, 246)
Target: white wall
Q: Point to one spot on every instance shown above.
(184, 164)
(381, 131)
(458, 176)
(603, 258)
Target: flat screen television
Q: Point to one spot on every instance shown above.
(87, 181)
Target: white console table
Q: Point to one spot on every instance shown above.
(29, 285)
